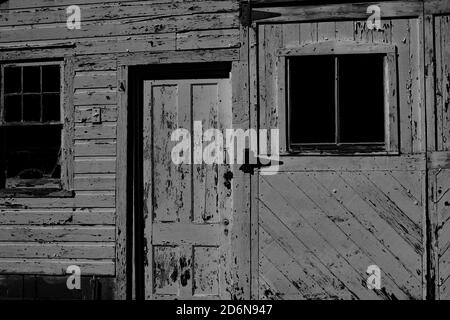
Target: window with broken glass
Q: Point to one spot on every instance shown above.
(31, 126)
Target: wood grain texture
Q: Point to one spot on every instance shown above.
(121, 187)
(55, 217)
(442, 40)
(343, 229)
(95, 165)
(437, 44)
(345, 11)
(117, 27)
(188, 208)
(440, 208)
(56, 233)
(109, 10)
(403, 34)
(83, 199)
(114, 34)
(55, 266)
(322, 220)
(57, 250)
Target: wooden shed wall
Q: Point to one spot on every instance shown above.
(45, 235)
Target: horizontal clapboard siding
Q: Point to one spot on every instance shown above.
(121, 27)
(95, 148)
(56, 266)
(95, 165)
(57, 233)
(57, 250)
(83, 199)
(45, 235)
(49, 217)
(129, 27)
(95, 182)
(95, 97)
(101, 10)
(18, 4)
(88, 132)
(83, 114)
(95, 79)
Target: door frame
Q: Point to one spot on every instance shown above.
(133, 69)
(436, 160)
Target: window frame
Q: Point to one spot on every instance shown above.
(66, 122)
(391, 139)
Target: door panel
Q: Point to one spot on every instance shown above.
(331, 225)
(187, 207)
(440, 206)
(325, 218)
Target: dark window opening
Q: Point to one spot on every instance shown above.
(336, 102)
(31, 127)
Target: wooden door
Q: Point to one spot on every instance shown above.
(187, 207)
(324, 218)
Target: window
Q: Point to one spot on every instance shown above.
(340, 99)
(31, 126)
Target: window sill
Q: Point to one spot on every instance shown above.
(340, 150)
(36, 193)
(334, 153)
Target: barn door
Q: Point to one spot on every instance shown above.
(330, 215)
(187, 206)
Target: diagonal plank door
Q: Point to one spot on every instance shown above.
(187, 207)
(320, 230)
(325, 217)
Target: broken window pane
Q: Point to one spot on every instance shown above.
(32, 79)
(13, 79)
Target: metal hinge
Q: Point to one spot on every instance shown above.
(245, 15)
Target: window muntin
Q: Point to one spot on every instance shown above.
(31, 126)
(31, 94)
(336, 102)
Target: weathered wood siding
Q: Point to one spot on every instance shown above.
(45, 235)
(437, 31)
(324, 219)
(320, 230)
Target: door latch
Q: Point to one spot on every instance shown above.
(253, 162)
